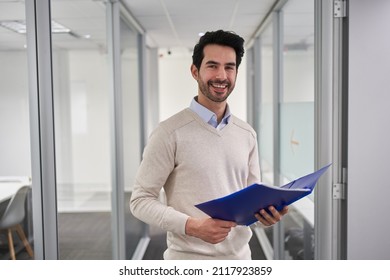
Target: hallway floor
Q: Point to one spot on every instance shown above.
(87, 236)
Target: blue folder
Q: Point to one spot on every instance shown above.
(241, 206)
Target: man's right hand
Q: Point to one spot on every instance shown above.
(210, 230)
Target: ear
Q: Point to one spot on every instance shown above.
(194, 71)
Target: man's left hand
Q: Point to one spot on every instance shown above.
(268, 220)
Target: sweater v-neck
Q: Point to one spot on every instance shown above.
(209, 127)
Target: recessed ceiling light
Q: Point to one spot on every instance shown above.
(19, 26)
(14, 25)
(58, 28)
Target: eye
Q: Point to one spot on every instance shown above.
(230, 68)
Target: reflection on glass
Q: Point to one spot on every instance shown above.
(131, 129)
(266, 137)
(15, 160)
(297, 122)
(82, 130)
(266, 133)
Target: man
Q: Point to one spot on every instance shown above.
(202, 153)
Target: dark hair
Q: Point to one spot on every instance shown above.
(220, 37)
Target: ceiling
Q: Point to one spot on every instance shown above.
(177, 23)
(167, 23)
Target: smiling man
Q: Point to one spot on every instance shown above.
(202, 153)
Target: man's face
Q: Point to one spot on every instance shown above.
(217, 74)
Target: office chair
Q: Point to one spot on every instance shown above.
(12, 217)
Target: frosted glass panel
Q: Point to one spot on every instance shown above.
(296, 139)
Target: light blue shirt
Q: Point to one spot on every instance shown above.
(209, 116)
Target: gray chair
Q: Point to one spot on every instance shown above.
(12, 218)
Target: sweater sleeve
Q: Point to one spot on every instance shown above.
(157, 164)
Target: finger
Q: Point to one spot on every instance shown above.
(222, 230)
(275, 214)
(262, 220)
(267, 217)
(217, 238)
(225, 224)
(284, 210)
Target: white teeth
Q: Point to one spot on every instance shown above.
(219, 85)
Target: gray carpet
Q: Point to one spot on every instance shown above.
(87, 236)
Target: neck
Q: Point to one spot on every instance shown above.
(218, 108)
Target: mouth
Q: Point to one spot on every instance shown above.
(219, 86)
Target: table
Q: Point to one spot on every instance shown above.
(10, 185)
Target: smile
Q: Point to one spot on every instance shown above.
(219, 85)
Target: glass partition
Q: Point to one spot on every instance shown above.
(297, 122)
(131, 129)
(15, 160)
(83, 134)
(82, 129)
(287, 85)
(266, 114)
(296, 139)
(266, 135)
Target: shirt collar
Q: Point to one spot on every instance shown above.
(208, 116)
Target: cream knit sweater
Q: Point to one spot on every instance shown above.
(194, 162)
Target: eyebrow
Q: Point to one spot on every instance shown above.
(217, 63)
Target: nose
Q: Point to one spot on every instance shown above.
(221, 74)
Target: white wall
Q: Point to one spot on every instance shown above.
(14, 115)
(369, 133)
(177, 86)
(298, 76)
(131, 116)
(82, 119)
(89, 117)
